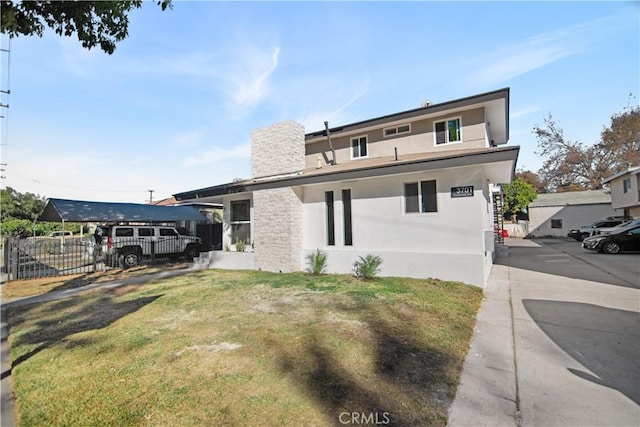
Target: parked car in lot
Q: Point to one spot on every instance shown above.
(585, 231)
(609, 230)
(128, 244)
(624, 239)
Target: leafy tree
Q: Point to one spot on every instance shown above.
(570, 165)
(533, 179)
(96, 23)
(517, 196)
(15, 205)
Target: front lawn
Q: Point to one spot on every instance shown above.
(244, 348)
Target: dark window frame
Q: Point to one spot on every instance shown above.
(330, 218)
(347, 217)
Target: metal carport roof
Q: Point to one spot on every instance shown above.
(61, 210)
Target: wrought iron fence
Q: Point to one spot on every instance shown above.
(34, 257)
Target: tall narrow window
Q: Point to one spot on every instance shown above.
(331, 232)
(411, 197)
(240, 220)
(346, 210)
(429, 196)
(359, 147)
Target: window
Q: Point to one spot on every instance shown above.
(331, 231)
(240, 210)
(346, 211)
(420, 197)
(145, 232)
(124, 232)
(240, 220)
(168, 232)
(447, 131)
(556, 223)
(397, 130)
(626, 185)
(359, 147)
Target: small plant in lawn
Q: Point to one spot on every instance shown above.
(317, 262)
(240, 245)
(368, 266)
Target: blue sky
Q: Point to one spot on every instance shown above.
(173, 108)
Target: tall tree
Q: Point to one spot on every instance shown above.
(96, 23)
(570, 165)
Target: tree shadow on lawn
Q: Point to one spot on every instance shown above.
(411, 383)
(72, 316)
(117, 274)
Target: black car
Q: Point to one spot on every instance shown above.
(625, 239)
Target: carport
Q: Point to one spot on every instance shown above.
(40, 256)
(63, 210)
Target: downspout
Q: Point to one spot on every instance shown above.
(333, 151)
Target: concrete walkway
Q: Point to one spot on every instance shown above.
(551, 349)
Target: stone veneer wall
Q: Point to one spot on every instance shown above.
(277, 213)
(277, 149)
(278, 229)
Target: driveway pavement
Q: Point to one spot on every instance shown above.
(557, 343)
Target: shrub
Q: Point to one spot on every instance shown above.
(240, 245)
(227, 248)
(317, 262)
(368, 266)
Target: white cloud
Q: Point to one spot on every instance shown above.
(524, 112)
(217, 154)
(249, 82)
(314, 121)
(537, 51)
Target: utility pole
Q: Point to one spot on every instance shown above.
(151, 196)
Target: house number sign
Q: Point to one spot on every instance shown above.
(464, 191)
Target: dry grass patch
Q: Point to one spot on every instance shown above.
(244, 348)
(31, 287)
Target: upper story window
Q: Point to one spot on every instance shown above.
(397, 130)
(359, 147)
(447, 131)
(626, 185)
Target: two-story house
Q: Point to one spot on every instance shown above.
(413, 187)
(625, 191)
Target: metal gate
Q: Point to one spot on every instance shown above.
(34, 257)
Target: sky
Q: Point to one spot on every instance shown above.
(173, 108)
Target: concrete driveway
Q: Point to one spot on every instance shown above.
(557, 344)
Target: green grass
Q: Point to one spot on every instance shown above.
(243, 348)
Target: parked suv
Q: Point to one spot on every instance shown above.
(128, 244)
(586, 230)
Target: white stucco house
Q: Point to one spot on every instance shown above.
(555, 214)
(625, 191)
(414, 187)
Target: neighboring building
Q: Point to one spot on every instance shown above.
(415, 188)
(554, 214)
(625, 191)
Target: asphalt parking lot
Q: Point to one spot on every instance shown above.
(624, 268)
